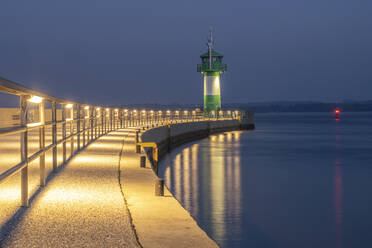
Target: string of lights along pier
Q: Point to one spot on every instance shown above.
(212, 67)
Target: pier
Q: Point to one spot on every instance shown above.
(71, 174)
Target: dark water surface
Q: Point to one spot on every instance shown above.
(298, 180)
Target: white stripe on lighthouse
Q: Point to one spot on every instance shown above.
(212, 85)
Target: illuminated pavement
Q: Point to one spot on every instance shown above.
(10, 191)
(159, 221)
(82, 206)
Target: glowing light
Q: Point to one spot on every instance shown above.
(98, 109)
(107, 109)
(86, 107)
(34, 124)
(337, 111)
(69, 105)
(116, 110)
(35, 99)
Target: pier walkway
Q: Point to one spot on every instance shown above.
(82, 206)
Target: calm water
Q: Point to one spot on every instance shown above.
(299, 180)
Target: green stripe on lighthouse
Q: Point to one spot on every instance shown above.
(212, 103)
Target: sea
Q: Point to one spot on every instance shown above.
(297, 180)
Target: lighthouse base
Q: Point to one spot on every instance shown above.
(212, 103)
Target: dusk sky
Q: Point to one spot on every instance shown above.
(117, 52)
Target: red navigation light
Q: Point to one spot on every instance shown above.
(337, 113)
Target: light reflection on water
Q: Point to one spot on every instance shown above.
(297, 181)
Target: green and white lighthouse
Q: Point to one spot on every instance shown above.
(211, 67)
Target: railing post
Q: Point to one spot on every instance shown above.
(91, 122)
(42, 143)
(102, 112)
(105, 121)
(72, 131)
(78, 125)
(24, 157)
(121, 118)
(64, 132)
(85, 130)
(54, 134)
(169, 137)
(94, 120)
(111, 120)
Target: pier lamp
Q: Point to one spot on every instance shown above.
(86, 112)
(185, 113)
(35, 99)
(70, 107)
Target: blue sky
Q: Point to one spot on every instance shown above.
(114, 52)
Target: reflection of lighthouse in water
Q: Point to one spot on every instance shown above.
(218, 196)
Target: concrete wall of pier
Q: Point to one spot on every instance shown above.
(168, 137)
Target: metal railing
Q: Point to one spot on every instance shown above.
(215, 66)
(82, 123)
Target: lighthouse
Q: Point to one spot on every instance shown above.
(211, 67)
